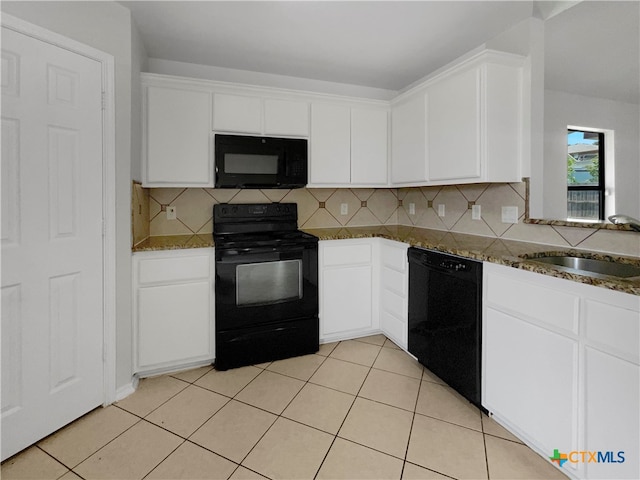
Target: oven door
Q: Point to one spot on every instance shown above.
(260, 286)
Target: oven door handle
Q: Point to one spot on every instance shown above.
(234, 255)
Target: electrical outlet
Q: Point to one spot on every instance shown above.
(171, 213)
(412, 209)
(476, 213)
(344, 209)
(441, 210)
(509, 214)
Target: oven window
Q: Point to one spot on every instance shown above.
(247, 163)
(269, 282)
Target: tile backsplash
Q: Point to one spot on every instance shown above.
(321, 208)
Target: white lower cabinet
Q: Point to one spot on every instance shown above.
(561, 369)
(394, 290)
(346, 289)
(173, 309)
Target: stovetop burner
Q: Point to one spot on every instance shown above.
(248, 225)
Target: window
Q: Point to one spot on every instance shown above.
(585, 175)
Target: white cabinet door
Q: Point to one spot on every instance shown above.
(173, 323)
(530, 380)
(330, 148)
(346, 300)
(177, 146)
(408, 160)
(369, 146)
(173, 309)
(453, 127)
(612, 406)
(346, 283)
(237, 113)
(394, 282)
(286, 117)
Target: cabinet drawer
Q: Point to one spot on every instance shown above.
(346, 255)
(176, 269)
(394, 304)
(612, 326)
(395, 258)
(547, 306)
(394, 281)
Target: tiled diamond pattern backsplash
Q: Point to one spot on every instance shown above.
(321, 208)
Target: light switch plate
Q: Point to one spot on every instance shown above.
(344, 208)
(509, 214)
(441, 210)
(476, 213)
(412, 209)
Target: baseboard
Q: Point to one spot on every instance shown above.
(127, 389)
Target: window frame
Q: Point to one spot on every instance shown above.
(600, 188)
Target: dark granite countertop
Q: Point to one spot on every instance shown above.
(505, 252)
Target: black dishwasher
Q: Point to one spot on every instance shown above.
(445, 308)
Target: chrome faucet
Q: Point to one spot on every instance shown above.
(619, 219)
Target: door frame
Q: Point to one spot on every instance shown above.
(108, 186)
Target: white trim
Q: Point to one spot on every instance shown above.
(109, 183)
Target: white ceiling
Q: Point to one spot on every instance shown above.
(382, 44)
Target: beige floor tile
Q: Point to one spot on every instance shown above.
(234, 430)
(389, 344)
(320, 407)
(151, 393)
(191, 462)
(440, 401)
(82, 438)
(31, 464)
(262, 365)
(378, 426)
(70, 476)
(229, 382)
(193, 374)
(298, 367)
(391, 388)
(429, 376)
(326, 348)
(348, 460)
(414, 472)
(446, 448)
(398, 361)
(373, 339)
(188, 410)
(289, 450)
(344, 376)
(132, 455)
(356, 352)
(491, 427)
(510, 460)
(243, 473)
(271, 391)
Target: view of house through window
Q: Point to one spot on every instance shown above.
(585, 175)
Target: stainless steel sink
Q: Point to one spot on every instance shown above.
(590, 266)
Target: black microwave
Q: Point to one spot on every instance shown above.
(260, 162)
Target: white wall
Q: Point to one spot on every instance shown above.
(139, 63)
(107, 27)
(562, 109)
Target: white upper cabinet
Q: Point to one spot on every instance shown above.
(453, 127)
(369, 145)
(348, 145)
(330, 145)
(260, 116)
(408, 157)
(177, 146)
(236, 113)
(462, 126)
(286, 117)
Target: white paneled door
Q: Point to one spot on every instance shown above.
(52, 265)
